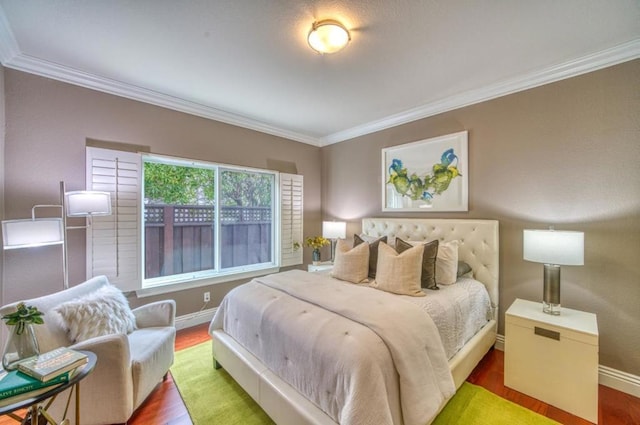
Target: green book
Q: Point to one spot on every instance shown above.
(15, 383)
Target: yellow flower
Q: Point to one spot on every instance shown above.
(316, 242)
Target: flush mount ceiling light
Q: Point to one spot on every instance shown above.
(328, 36)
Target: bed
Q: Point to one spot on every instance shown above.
(478, 247)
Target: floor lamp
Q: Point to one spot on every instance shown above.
(33, 232)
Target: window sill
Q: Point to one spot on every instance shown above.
(168, 287)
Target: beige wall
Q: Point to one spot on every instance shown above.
(48, 123)
(566, 154)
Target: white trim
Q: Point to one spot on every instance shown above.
(499, 342)
(607, 376)
(197, 318)
(619, 380)
(12, 57)
(609, 57)
(44, 68)
(205, 281)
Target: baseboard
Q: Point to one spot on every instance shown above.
(197, 318)
(499, 345)
(618, 380)
(607, 376)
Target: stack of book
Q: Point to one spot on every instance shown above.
(39, 374)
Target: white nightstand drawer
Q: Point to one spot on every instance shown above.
(553, 359)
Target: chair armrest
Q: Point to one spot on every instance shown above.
(112, 349)
(159, 313)
(108, 390)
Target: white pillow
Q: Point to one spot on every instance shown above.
(102, 312)
(351, 264)
(391, 240)
(399, 273)
(446, 262)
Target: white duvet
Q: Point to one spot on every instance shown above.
(361, 355)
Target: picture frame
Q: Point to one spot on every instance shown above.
(429, 175)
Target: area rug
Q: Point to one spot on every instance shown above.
(213, 397)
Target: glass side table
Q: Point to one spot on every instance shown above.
(37, 406)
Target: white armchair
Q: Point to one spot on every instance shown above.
(128, 367)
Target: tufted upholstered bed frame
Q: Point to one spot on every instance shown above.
(478, 246)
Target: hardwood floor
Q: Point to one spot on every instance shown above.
(165, 407)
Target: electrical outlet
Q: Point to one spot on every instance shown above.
(207, 297)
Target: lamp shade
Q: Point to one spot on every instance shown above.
(83, 203)
(554, 247)
(334, 229)
(31, 233)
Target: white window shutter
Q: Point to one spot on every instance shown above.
(291, 208)
(113, 242)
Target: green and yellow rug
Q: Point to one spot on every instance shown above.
(213, 397)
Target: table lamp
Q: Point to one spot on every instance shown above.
(334, 230)
(553, 248)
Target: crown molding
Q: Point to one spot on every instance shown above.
(54, 71)
(68, 75)
(11, 57)
(609, 57)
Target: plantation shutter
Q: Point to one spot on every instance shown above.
(291, 207)
(113, 242)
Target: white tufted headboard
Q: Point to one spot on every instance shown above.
(478, 242)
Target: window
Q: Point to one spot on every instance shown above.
(180, 221)
(205, 219)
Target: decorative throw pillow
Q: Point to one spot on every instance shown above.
(373, 251)
(102, 312)
(447, 263)
(351, 264)
(399, 273)
(428, 277)
(463, 268)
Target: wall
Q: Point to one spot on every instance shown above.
(565, 154)
(48, 123)
(2, 131)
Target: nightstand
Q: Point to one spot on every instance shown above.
(553, 358)
(324, 266)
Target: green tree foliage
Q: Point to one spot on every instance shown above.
(178, 185)
(244, 189)
(183, 185)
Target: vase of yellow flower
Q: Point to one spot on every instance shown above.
(316, 243)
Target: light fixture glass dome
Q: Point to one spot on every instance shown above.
(328, 36)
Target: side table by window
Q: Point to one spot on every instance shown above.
(37, 406)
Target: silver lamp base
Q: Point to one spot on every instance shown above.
(333, 249)
(551, 291)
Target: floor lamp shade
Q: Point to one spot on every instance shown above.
(83, 203)
(31, 233)
(553, 248)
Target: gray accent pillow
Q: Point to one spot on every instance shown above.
(428, 277)
(463, 268)
(373, 252)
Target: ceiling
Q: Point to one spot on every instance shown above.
(247, 62)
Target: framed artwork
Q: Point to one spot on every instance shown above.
(428, 176)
